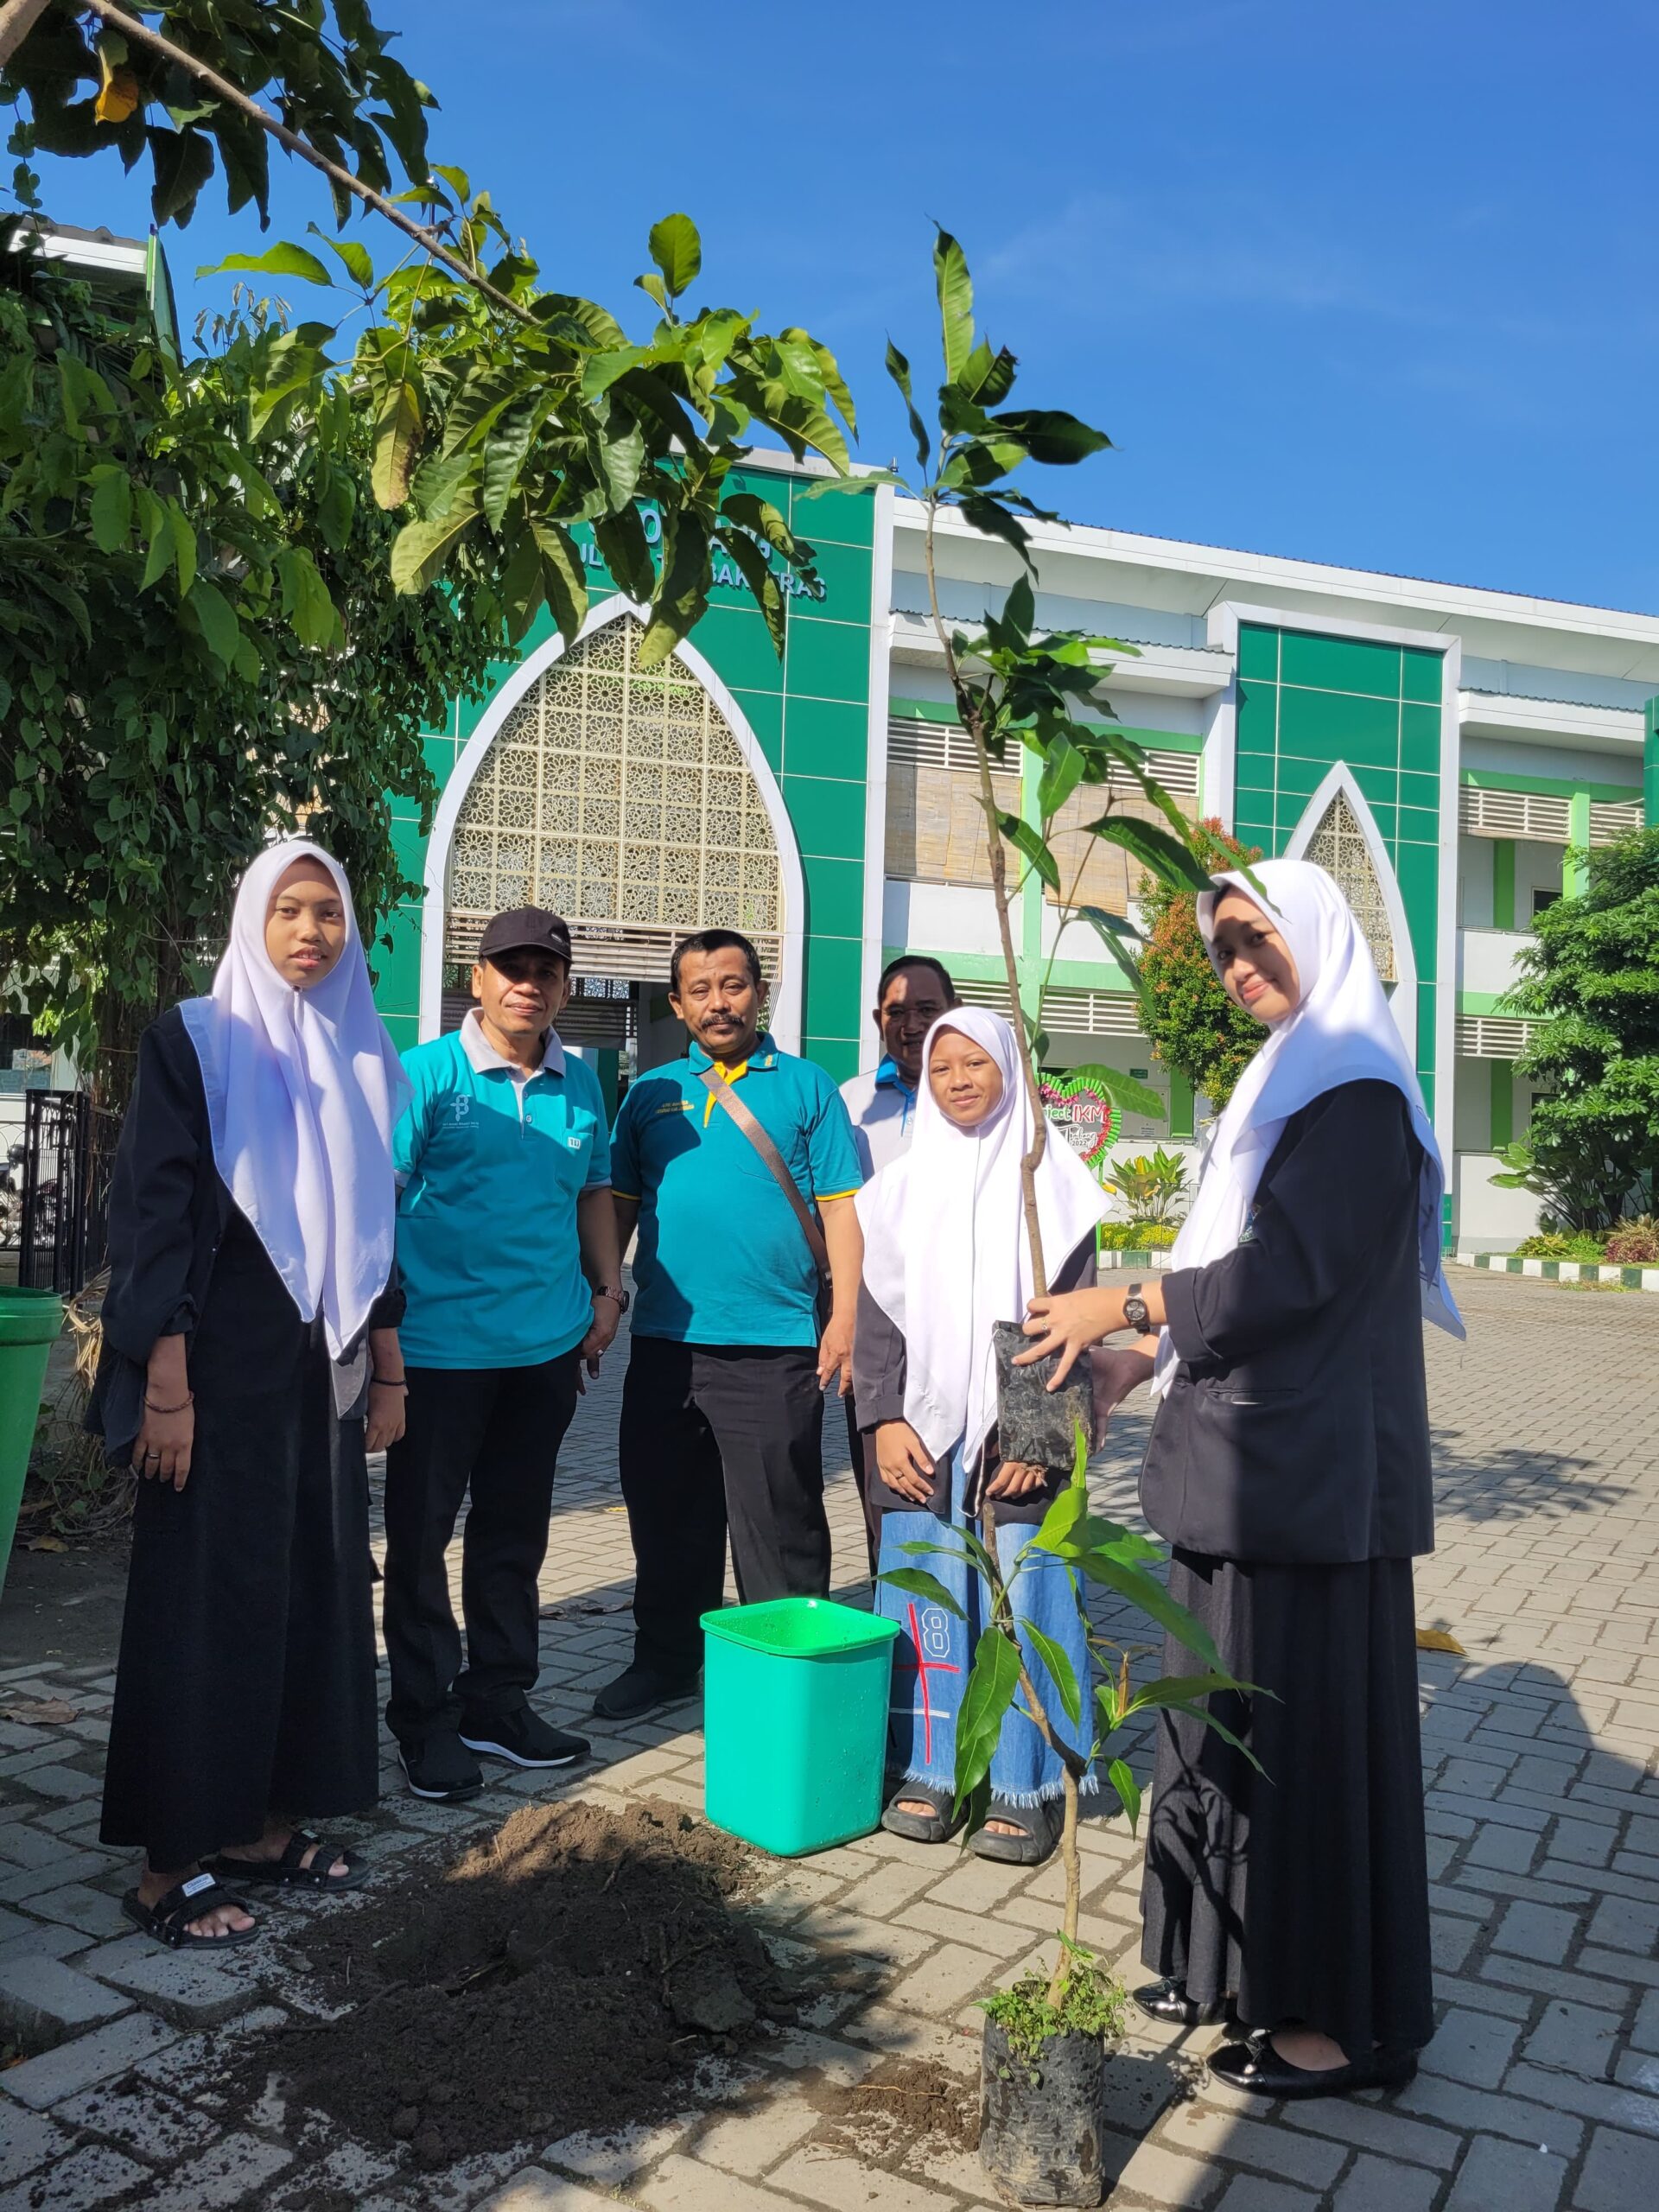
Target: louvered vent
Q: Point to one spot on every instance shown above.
(1066, 1011)
(1611, 819)
(1493, 1036)
(947, 745)
(1534, 815)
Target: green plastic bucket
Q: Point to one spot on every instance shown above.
(795, 1722)
(30, 1323)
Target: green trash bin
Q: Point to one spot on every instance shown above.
(30, 1322)
(795, 1722)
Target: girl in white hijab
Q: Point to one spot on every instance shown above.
(945, 1258)
(250, 1357)
(1289, 1466)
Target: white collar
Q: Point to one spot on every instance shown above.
(483, 1055)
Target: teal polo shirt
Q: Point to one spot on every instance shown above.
(721, 1258)
(490, 1167)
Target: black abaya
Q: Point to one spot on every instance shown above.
(1301, 1891)
(246, 1684)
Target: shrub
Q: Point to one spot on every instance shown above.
(1194, 1026)
(1137, 1236)
(1635, 1243)
(1561, 1244)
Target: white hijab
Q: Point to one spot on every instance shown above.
(1340, 1031)
(944, 1241)
(303, 1089)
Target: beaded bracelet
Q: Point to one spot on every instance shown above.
(189, 1400)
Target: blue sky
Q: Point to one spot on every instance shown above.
(1372, 284)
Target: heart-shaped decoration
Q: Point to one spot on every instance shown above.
(1082, 1112)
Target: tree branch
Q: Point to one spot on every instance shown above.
(222, 89)
(17, 19)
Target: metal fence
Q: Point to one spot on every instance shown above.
(55, 1161)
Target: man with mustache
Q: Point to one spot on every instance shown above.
(723, 1414)
(507, 1252)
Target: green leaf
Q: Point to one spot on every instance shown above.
(158, 535)
(752, 513)
(336, 506)
(1162, 856)
(112, 509)
(503, 456)
(1182, 1690)
(564, 579)
(1150, 1595)
(677, 251)
(955, 294)
(420, 548)
(757, 573)
(621, 541)
(306, 602)
(991, 519)
(920, 1584)
(1061, 1671)
(1128, 1789)
(1063, 766)
(899, 369)
(1051, 437)
(352, 255)
(992, 1683)
(215, 619)
(1022, 835)
(397, 442)
(282, 260)
(1125, 1093)
(1020, 609)
(183, 532)
(653, 287)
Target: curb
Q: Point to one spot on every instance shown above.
(1141, 1260)
(1506, 1263)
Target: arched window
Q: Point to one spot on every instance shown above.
(1339, 848)
(619, 798)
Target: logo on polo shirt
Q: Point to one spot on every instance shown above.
(676, 1106)
(463, 1107)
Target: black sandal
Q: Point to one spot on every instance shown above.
(937, 1826)
(1040, 1831)
(290, 1871)
(168, 1921)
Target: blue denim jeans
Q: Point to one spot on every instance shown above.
(934, 1651)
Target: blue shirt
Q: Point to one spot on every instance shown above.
(883, 1110)
(721, 1259)
(490, 1164)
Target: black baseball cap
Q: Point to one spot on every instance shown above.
(526, 929)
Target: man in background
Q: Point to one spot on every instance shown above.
(722, 1411)
(913, 992)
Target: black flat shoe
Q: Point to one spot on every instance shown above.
(1255, 2065)
(1169, 2003)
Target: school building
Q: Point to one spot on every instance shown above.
(1439, 748)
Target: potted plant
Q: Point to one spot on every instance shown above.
(1023, 697)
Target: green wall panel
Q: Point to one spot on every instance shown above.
(828, 660)
(827, 815)
(826, 737)
(1346, 665)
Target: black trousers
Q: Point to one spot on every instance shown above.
(498, 1430)
(719, 1438)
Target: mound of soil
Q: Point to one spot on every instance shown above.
(567, 1974)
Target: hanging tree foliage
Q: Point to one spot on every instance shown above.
(235, 589)
(1194, 1026)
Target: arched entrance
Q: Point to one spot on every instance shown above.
(635, 802)
(1339, 831)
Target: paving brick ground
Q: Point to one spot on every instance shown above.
(1540, 2093)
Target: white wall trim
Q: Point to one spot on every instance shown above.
(1403, 1003)
(875, 771)
(1446, 940)
(785, 1015)
(1223, 618)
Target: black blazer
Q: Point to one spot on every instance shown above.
(1295, 1431)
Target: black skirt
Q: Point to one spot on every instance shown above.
(246, 1684)
(1302, 1893)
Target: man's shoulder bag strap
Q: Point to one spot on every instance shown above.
(768, 1151)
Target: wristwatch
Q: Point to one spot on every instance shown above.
(1135, 1313)
(616, 1291)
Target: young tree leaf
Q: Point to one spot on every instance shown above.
(757, 573)
(353, 256)
(282, 260)
(1125, 1093)
(992, 1683)
(920, 1584)
(1167, 858)
(112, 509)
(564, 578)
(677, 251)
(1063, 766)
(215, 619)
(1183, 1689)
(1051, 437)
(993, 520)
(899, 369)
(1150, 1595)
(183, 535)
(956, 291)
(420, 548)
(1026, 840)
(397, 444)
(336, 504)
(1020, 609)
(1128, 1789)
(1061, 1671)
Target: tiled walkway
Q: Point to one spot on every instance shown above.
(1540, 2090)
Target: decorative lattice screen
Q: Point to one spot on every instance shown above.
(618, 797)
(1338, 846)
